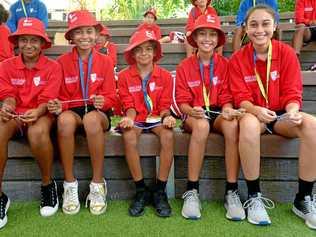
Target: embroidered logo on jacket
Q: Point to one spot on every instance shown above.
(37, 80)
(274, 75)
(69, 80)
(93, 77)
(152, 86)
(215, 81)
(250, 78)
(17, 81)
(133, 89)
(308, 9)
(194, 83)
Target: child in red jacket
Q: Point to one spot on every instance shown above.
(265, 78)
(105, 46)
(27, 82)
(6, 48)
(201, 7)
(145, 90)
(305, 20)
(87, 94)
(203, 96)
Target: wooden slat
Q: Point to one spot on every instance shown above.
(115, 168)
(275, 168)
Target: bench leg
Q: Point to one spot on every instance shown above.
(170, 184)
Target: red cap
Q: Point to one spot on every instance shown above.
(208, 21)
(105, 31)
(208, 2)
(81, 18)
(151, 11)
(31, 26)
(138, 38)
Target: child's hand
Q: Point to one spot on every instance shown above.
(126, 122)
(295, 118)
(7, 112)
(30, 116)
(230, 113)
(98, 101)
(169, 121)
(265, 115)
(197, 112)
(54, 106)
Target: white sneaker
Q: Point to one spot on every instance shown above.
(191, 206)
(97, 198)
(4, 206)
(256, 209)
(71, 203)
(306, 209)
(234, 208)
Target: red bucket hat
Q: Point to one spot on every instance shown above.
(31, 26)
(208, 2)
(105, 31)
(208, 21)
(137, 39)
(151, 11)
(81, 18)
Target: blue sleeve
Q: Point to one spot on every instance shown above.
(241, 14)
(42, 14)
(11, 22)
(274, 5)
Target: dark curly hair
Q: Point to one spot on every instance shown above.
(4, 14)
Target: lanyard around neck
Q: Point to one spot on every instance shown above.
(205, 94)
(147, 99)
(264, 91)
(253, 3)
(24, 9)
(85, 86)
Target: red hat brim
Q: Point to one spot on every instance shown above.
(221, 35)
(14, 37)
(98, 27)
(128, 52)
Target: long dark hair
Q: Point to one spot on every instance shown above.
(4, 14)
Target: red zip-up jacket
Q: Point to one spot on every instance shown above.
(6, 48)
(195, 13)
(189, 84)
(305, 11)
(285, 84)
(101, 81)
(159, 89)
(111, 50)
(30, 87)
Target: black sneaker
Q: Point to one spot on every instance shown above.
(306, 209)
(141, 199)
(160, 203)
(4, 206)
(49, 200)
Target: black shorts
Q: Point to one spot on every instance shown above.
(213, 114)
(81, 112)
(270, 126)
(313, 35)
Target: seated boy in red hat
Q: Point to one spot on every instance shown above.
(149, 23)
(200, 7)
(27, 82)
(145, 90)
(87, 95)
(105, 46)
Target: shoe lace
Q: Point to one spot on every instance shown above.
(2, 208)
(48, 195)
(96, 195)
(233, 199)
(71, 195)
(311, 204)
(191, 196)
(259, 202)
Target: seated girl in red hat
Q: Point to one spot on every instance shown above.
(265, 78)
(105, 46)
(6, 48)
(145, 90)
(27, 82)
(201, 7)
(87, 94)
(204, 98)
